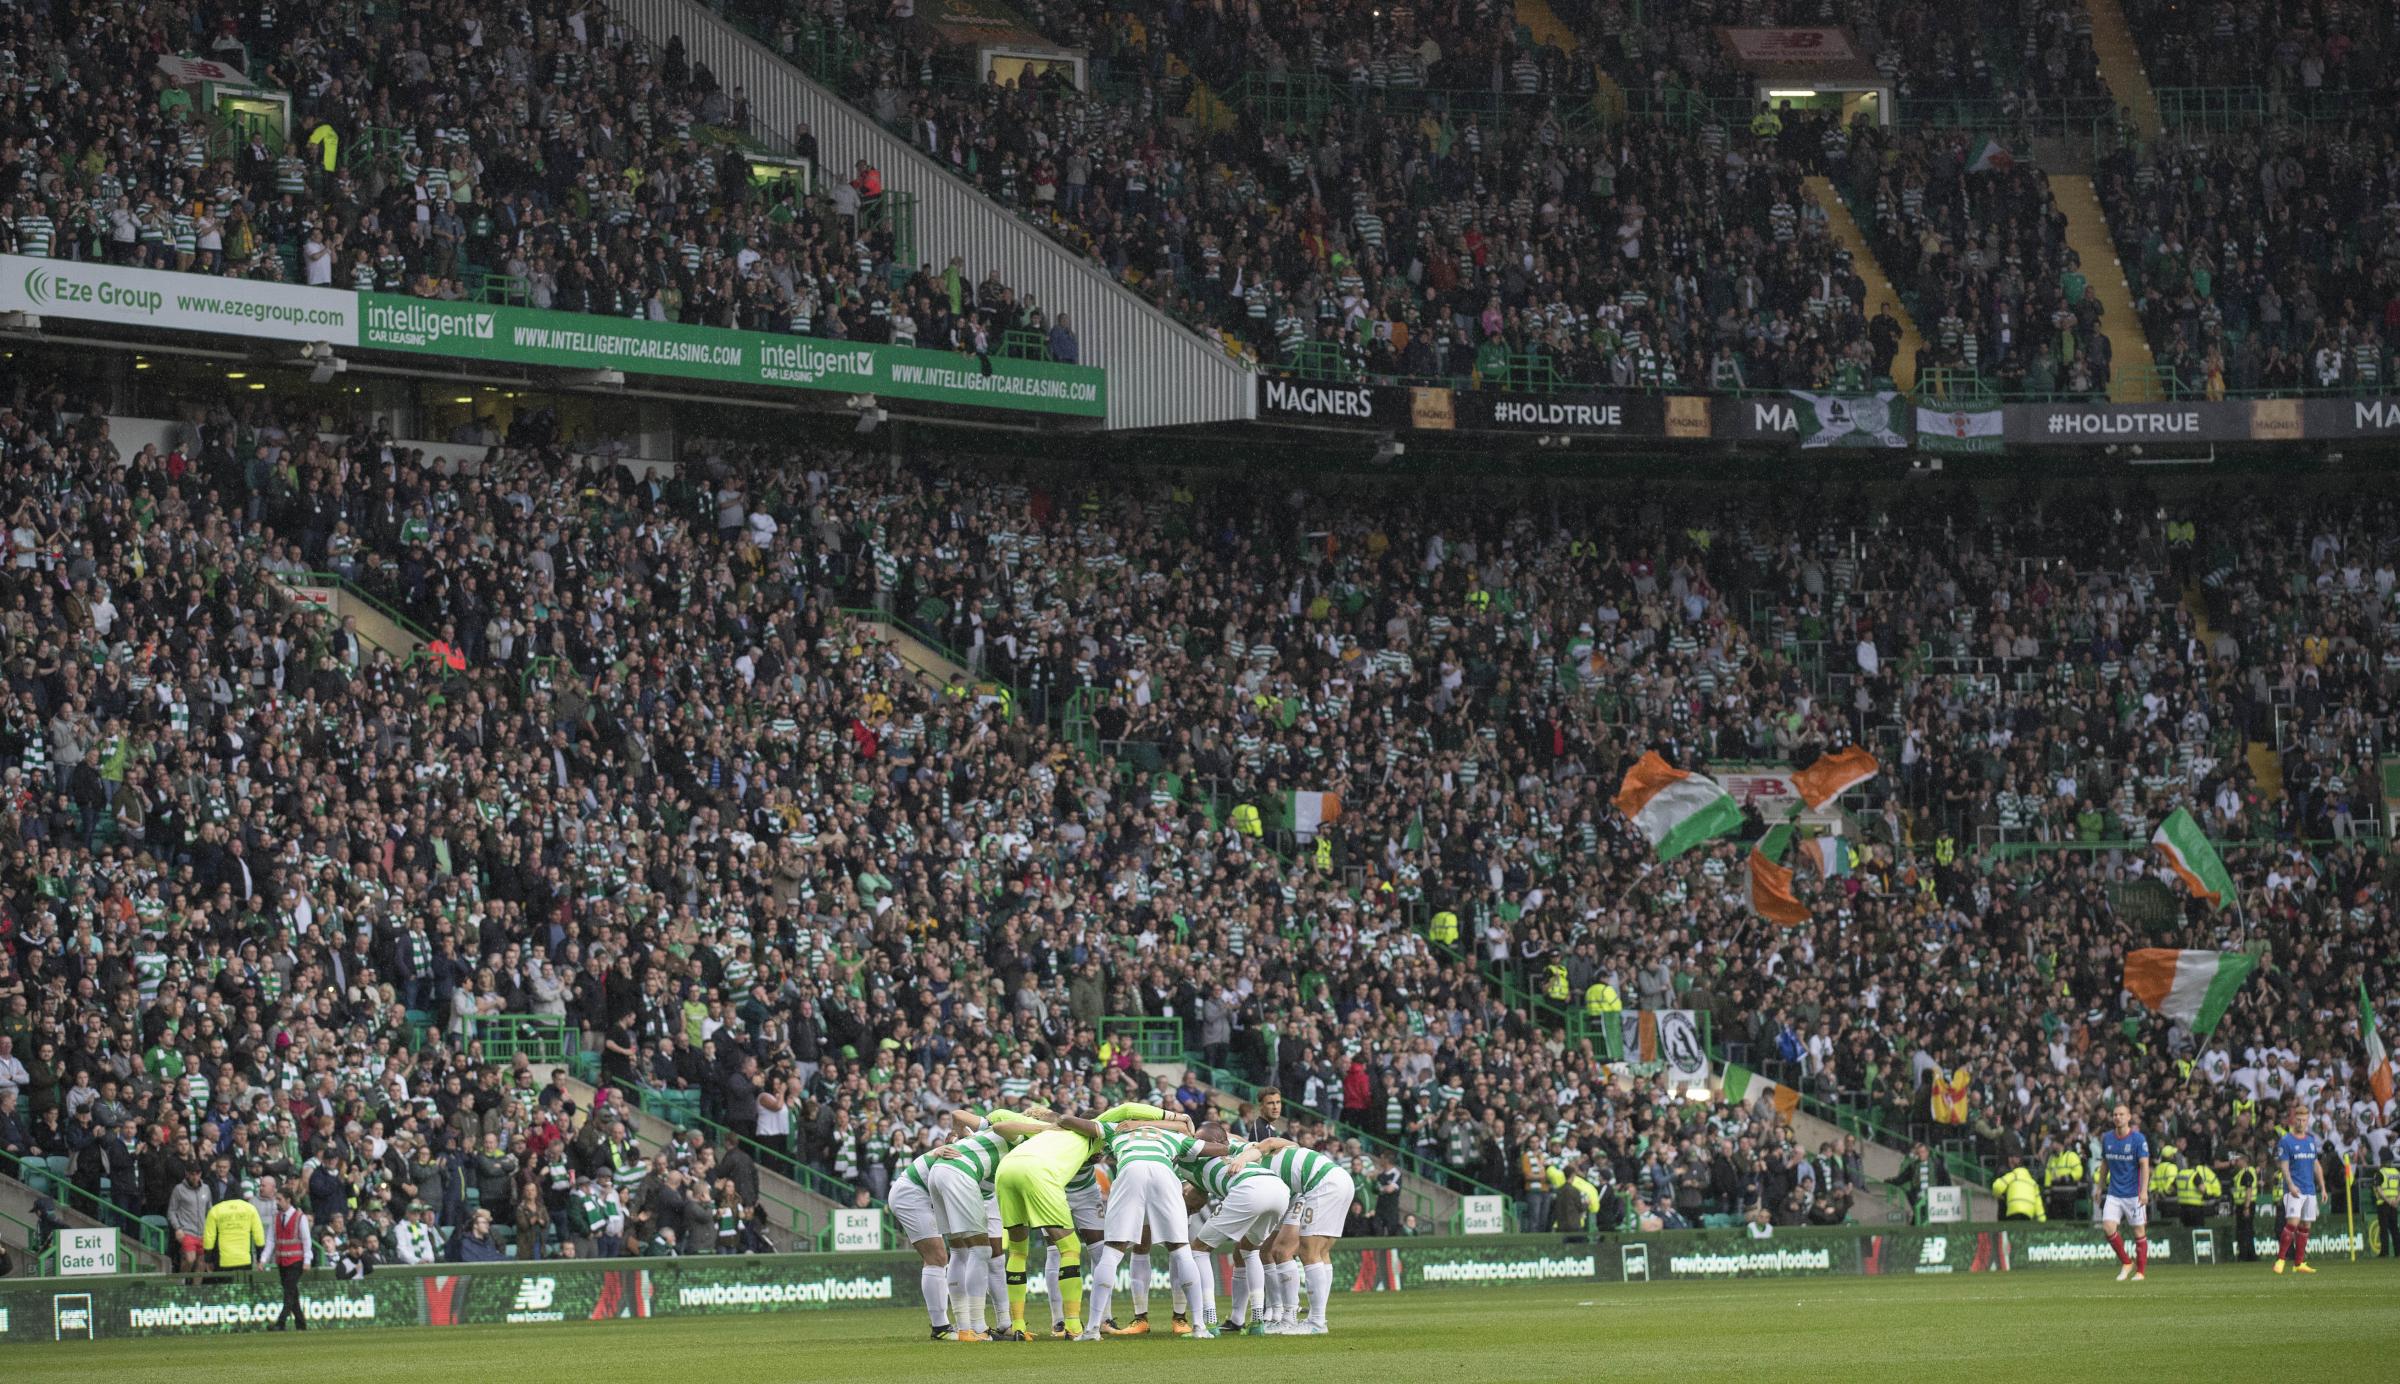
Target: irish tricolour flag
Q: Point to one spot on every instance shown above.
(2192, 988)
(1675, 809)
(2187, 851)
(2379, 1062)
(1742, 1086)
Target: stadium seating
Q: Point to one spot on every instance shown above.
(922, 783)
(554, 166)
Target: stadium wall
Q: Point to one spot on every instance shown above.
(1159, 373)
(563, 1290)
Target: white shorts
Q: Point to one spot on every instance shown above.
(1147, 1194)
(1090, 1206)
(1325, 1210)
(1251, 1211)
(2299, 1208)
(958, 1205)
(991, 1215)
(912, 1206)
(2125, 1211)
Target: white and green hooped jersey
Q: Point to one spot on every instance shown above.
(1216, 1177)
(1301, 1169)
(1163, 1147)
(977, 1155)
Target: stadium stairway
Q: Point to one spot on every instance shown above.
(1883, 1170)
(1852, 237)
(797, 1215)
(18, 1218)
(2266, 764)
(2134, 369)
(2121, 66)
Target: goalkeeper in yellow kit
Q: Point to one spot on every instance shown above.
(1031, 1186)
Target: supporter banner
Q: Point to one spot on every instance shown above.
(530, 336)
(1669, 1038)
(1582, 415)
(166, 301)
(1850, 420)
(1958, 430)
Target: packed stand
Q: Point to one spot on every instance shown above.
(2032, 63)
(535, 155)
(2266, 260)
(674, 795)
(2311, 56)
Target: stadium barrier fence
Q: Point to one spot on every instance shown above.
(564, 1290)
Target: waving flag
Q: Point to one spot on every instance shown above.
(2192, 858)
(2379, 1062)
(1829, 856)
(1833, 775)
(1771, 894)
(2193, 988)
(1675, 809)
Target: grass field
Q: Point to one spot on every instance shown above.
(2204, 1324)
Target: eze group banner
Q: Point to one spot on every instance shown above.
(168, 301)
(532, 336)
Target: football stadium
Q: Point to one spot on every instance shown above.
(831, 689)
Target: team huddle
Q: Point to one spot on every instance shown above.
(1014, 1184)
(2125, 1152)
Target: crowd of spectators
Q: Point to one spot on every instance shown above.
(674, 794)
(2307, 53)
(540, 155)
(2265, 259)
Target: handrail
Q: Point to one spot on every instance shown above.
(810, 1179)
(359, 594)
(63, 1190)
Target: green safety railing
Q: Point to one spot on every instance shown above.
(540, 1037)
(672, 1107)
(45, 1177)
(1154, 1040)
(357, 593)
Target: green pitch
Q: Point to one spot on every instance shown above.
(2041, 1327)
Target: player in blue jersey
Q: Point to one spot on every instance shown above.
(2296, 1158)
(2126, 1155)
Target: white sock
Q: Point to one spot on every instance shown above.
(955, 1286)
(1237, 1305)
(1099, 1282)
(1287, 1288)
(1141, 1285)
(995, 1287)
(1320, 1290)
(1186, 1267)
(1058, 1305)
(1258, 1283)
(935, 1282)
(967, 1290)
